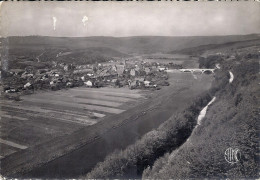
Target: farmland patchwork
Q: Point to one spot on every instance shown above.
(39, 117)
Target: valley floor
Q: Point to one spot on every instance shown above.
(76, 153)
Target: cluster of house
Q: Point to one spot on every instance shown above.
(18, 80)
(134, 74)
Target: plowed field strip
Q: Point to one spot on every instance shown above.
(39, 107)
(72, 100)
(53, 108)
(36, 120)
(23, 107)
(12, 144)
(10, 126)
(36, 130)
(83, 106)
(77, 113)
(121, 94)
(121, 99)
(102, 97)
(13, 117)
(56, 115)
(6, 150)
(86, 95)
(116, 90)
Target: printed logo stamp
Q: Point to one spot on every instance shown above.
(232, 156)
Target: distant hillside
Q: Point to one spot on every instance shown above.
(105, 51)
(127, 45)
(216, 47)
(90, 55)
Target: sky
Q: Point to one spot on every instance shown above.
(120, 19)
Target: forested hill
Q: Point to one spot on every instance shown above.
(128, 45)
(232, 121)
(205, 49)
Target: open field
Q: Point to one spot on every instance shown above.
(43, 116)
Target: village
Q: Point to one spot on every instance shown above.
(130, 73)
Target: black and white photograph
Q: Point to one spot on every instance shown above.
(129, 89)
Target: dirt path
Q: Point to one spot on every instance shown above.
(231, 77)
(204, 111)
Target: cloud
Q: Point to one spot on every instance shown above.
(84, 20)
(54, 22)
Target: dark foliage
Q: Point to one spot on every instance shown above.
(210, 62)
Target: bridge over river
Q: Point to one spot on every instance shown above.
(192, 70)
(197, 70)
